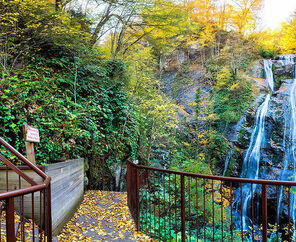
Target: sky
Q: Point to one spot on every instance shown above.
(276, 11)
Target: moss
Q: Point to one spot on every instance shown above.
(278, 78)
(262, 74)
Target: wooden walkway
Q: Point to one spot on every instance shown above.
(102, 216)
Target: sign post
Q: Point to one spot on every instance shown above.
(31, 136)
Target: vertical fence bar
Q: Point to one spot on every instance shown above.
(1, 204)
(159, 223)
(33, 218)
(147, 198)
(204, 208)
(48, 213)
(277, 213)
(183, 208)
(213, 208)
(241, 210)
(170, 226)
(196, 198)
(164, 223)
(44, 214)
(154, 212)
(231, 217)
(40, 214)
(252, 207)
(222, 215)
(10, 232)
(147, 201)
(289, 214)
(22, 220)
(264, 213)
(189, 210)
(176, 221)
(150, 207)
(138, 198)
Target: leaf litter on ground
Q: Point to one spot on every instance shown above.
(102, 216)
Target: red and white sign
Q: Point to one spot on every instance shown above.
(32, 135)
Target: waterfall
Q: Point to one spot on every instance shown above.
(286, 60)
(268, 74)
(227, 160)
(252, 159)
(289, 144)
(117, 176)
(253, 155)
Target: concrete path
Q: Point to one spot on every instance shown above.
(102, 216)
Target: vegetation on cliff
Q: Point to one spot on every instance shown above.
(89, 76)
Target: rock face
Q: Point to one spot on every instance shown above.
(182, 86)
(273, 160)
(174, 61)
(267, 139)
(272, 151)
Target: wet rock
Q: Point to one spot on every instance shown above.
(256, 69)
(183, 86)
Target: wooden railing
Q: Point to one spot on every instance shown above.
(25, 203)
(178, 206)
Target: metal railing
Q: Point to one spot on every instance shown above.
(178, 206)
(25, 202)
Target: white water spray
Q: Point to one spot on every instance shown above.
(286, 60)
(253, 154)
(252, 159)
(268, 74)
(289, 144)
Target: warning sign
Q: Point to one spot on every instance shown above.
(32, 135)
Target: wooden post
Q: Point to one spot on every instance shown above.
(31, 136)
(30, 152)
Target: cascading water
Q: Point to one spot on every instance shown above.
(252, 159)
(268, 74)
(286, 60)
(253, 155)
(227, 160)
(289, 144)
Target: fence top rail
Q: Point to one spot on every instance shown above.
(22, 191)
(219, 178)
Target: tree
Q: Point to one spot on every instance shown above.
(28, 25)
(244, 14)
(156, 112)
(288, 40)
